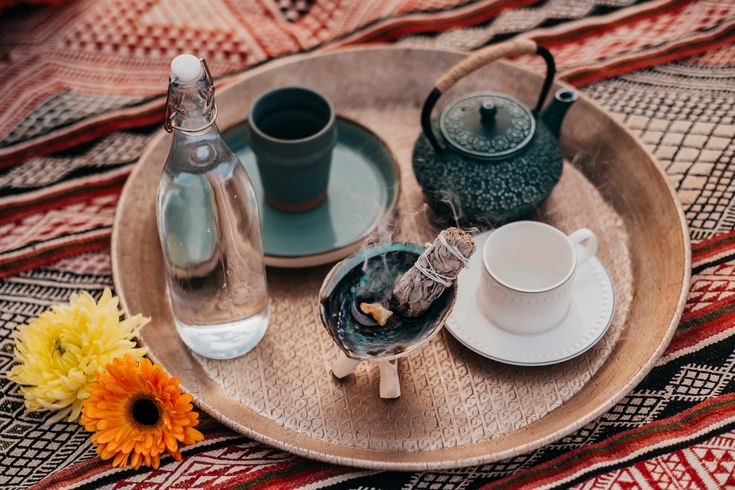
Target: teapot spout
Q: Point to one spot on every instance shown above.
(553, 115)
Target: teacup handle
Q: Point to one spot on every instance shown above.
(584, 251)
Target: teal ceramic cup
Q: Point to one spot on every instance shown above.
(292, 133)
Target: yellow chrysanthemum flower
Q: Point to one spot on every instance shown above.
(61, 351)
(137, 412)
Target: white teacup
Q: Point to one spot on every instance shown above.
(528, 275)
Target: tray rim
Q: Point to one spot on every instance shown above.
(396, 460)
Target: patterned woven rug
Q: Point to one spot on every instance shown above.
(63, 203)
(676, 428)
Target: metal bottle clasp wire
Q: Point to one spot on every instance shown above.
(168, 126)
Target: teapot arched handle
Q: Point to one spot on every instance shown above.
(478, 59)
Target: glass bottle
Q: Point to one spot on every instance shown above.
(209, 225)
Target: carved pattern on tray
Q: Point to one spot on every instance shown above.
(450, 396)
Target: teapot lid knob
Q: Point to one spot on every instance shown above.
(487, 111)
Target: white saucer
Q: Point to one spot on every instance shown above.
(587, 321)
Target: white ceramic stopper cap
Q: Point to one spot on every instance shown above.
(186, 68)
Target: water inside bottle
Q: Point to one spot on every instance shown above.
(210, 234)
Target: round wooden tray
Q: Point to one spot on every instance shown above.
(457, 408)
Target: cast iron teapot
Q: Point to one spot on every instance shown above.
(492, 160)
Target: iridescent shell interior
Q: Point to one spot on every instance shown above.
(371, 273)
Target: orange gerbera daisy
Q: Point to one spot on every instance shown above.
(137, 412)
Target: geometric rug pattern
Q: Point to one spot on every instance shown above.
(665, 68)
(690, 103)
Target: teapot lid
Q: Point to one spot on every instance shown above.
(487, 125)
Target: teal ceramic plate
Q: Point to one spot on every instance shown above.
(363, 187)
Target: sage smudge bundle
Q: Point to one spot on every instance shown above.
(434, 271)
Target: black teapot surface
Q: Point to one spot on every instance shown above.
(488, 158)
